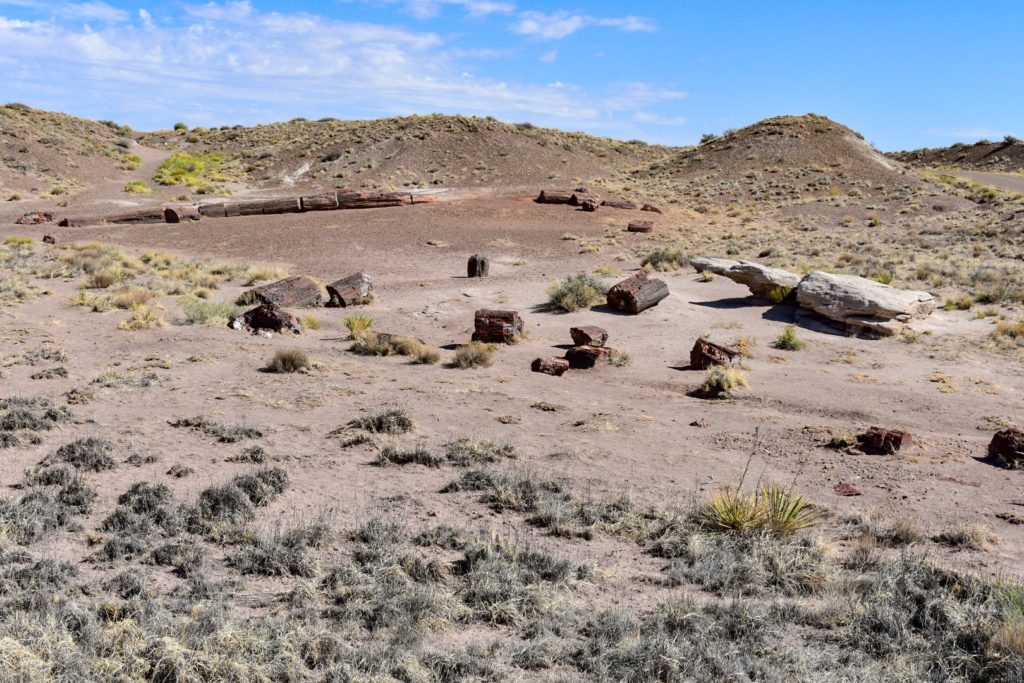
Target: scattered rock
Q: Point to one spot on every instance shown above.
(478, 266)
(586, 357)
(35, 218)
(49, 239)
(588, 335)
(298, 291)
(884, 441)
(1007, 446)
(555, 197)
(649, 207)
(863, 304)
(618, 204)
(266, 318)
(354, 290)
(845, 489)
(702, 423)
(550, 366)
(705, 354)
(640, 226)
(637, 293)
(497, 327)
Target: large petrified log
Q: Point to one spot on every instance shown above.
(220, 210)
(1007, 445)
(705, 354)
(497, 327)
(861, 303)
(637, 293)
(640, 226)
(371, 200)
(320, 202)
(266, 317)
(297, 291)
(618, 204)
(588, 335)
(555, 197)
(155, 215)
(180, 214)
(478, 266)
(354, 290)
(284, 205)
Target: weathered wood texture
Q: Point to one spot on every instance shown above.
(354, 290)
(637, 293)
(550, 366)
(705, 354)
(884, 441)
(155, 215)
(618, 204)
(588, 335)
(297, 291)
(180, 214)
(478, 266)
(320, 202)
(640, 226)
(266, 316)
(555, 197)
(497, 327)
(586, 357)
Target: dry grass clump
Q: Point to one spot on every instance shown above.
(418, 455)
(391, 421)
(469, 452)
(576, 292)
(357, 325)
(473, 355)
(720, 382)
(288, 361)
(21, 419)
(138, 187)
(222, 432)
(788, 340)
(143, 318)
(967, 536)
(91, 454)
(665, 259)
(283, 552)
(370, 343)
(197, 311)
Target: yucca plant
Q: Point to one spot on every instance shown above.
(733, 511)
(357, 324)
(785, 511)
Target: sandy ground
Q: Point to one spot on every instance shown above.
(616, 429)
(1003, 181)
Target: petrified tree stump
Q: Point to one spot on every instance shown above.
(550, 366)
(1008, 446)
(705, 354)
(586, 357)
(297, 291)
(637, 293)
(588, 335)
(478, 266)
(497, 327)
(180, 214)
(555, 197)
(884, 441)
(354, 290)
(640, 226)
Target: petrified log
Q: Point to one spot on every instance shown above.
(637, 293)
(1008, 446)
(705, 354)
(130, 217)
(372, 200)
(35, 218)
(478, 266)
(589, 205)
(884, 441)
(320, 202)
(49, 239)
(650, 207)
(588, 335)
(213, 210)
(266, 317)
(286, 205)
(354, 290)
(555, 197)
(179, 214)
(586, 357)
(578, 198)
(251, 208)
(297, 291)
(640, 226)
(497, 327)
(618, 204)
(550, 366)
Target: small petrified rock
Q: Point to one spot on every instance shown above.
(589, 205)
(1007, 445)
(266, 317)
(640, 226)
(588, 335)
(550, 366)
(497, 327)
(586, 357)
(637, 293)
(845, 489)
(705, 354)
(884, 441)
(354, 290)
(49, 239)
(478, 266)
(649, 207)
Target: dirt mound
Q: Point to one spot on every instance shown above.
(784, 159)
(1007, 156)
(412, 152)
(46, 152)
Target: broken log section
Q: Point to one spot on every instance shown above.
(497, 327)
(180, 214)
(478, 266)
(297, 291)
(637, 293)
(555, 197)
(640, 226)
(354, 290)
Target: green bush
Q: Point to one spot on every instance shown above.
(576, 292)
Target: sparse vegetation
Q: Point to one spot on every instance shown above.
(391, 421)
(221, 432)
(665, 259)
(289, 360)
(721, 381)
(788, 340)
(576, 292)
(473, 355)
(138, 187)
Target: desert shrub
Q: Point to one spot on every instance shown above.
(468, 452)
(90, 454)
(788, 340)
(18, 240)
(473, 355)
(310, 322)
(427, 355)
(967, 536)
(32, 517)
(958, 302)
(620, 359)
(392, 455)
(664, 259)
(721, 381)
(576, 292)
(186, 557)
(194, 170)
(283, 552)
(256, 275)
(390, 421)
(199, 312)
(370, 343)
(357, 324)
(30, 414)
(289, 360)
(733, 510)
(255, 454)
(139, 187)
(222, 432)
(180, 126)
(143, 318)
(77, 496)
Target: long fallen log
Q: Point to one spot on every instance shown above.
(179, 214)
(154, 215)
(320, 202)
(298, 291)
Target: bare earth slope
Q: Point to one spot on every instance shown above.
(1006, 156)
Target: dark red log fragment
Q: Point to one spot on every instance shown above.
(550, 366)
(478, 266)
(705, 354)
(497, 327)
(637, 293)
(588, 335)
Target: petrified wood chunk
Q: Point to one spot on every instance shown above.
(478, 266)
(705, 354)
(354, 290)
(637, 293)
(588, 335)
(292, 292)
(550, 366)
(497, 327)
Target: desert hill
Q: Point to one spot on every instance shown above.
(783, 159)
(410, 152)
(1006, 155)
(49, 152)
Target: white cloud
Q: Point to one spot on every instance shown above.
(549, 57)
(93, 11)
(553, 26)
(966, 133)
(658, 119)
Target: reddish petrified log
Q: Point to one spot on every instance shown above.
(618, 204)
(705, 354)
(884, 441)
(180, 214)
(320, 202)
(588, 335)
(586, 357)
(640, 226)
(497, 327)
(555, 197)
(550, 366)
(1008, 446)
(637, 293)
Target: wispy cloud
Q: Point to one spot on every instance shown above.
(556, 25)
(965, 133)
(658, 119)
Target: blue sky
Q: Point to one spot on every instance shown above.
(906, 74)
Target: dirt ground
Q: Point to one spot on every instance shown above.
(615, 429)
